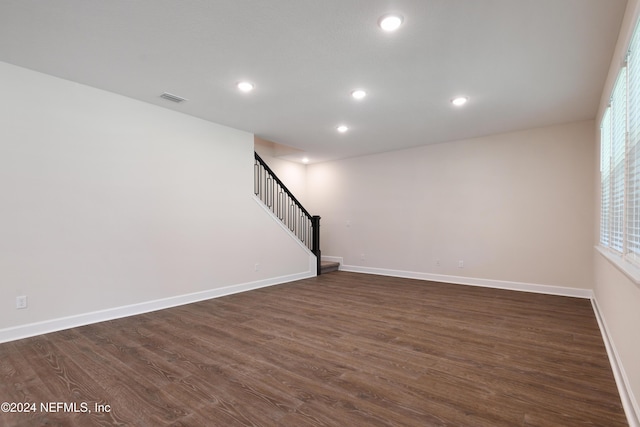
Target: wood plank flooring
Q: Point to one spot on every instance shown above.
(341, 349)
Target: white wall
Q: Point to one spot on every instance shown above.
(618, 298)
(107, 202)
(514, 207)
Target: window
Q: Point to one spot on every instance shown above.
(605, 177)
(613, 148)
(632, 156)
(620, 161)
(618, 147)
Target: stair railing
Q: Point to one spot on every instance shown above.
(277, 197)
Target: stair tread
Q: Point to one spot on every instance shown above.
(329, 266)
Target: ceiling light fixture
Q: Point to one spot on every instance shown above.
(390, 22)
(305, 160)
(358, 94)
(459, 101)
(342, 128)
(245, 86)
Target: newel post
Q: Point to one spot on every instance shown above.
(315, 227)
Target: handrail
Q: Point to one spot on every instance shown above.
(284, 187)
(268, 187)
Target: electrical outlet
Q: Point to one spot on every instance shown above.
(437, 262)
(362, 257)
(256, 267)
(460, 264)
(21, 302)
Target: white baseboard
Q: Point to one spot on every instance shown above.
(33, 329)
(488, 283)
(629, 403)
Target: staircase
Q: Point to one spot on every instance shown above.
(277, 197)
(328, 266)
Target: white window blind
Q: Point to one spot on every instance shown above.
(605, 177)
(620, 166)
(620, 161)
(632, 156)
(618, 151)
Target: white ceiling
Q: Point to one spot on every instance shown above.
(523, 63)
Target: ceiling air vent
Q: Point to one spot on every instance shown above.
(173, 98)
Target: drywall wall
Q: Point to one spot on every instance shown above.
(108, 202)
(512, 207)
(618, 301)
(618, 297)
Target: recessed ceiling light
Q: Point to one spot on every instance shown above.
(358, 94)
(245, 86)
(342, 128)
(459, 101)
(305, 160)
(390, 22)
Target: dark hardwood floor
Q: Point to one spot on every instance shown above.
(342, 349)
